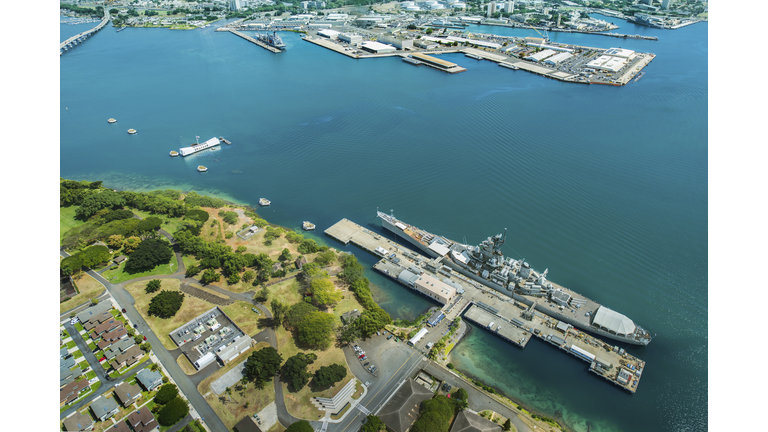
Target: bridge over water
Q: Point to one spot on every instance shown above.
(78, 38)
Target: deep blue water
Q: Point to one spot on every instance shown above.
(605, 186)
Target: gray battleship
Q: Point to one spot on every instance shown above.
(272, 40)
(486, 264)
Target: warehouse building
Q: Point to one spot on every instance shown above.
(377, 47)
(351, 39)
(557, 58)
(541, 55)
(607, 63)
(328, 33)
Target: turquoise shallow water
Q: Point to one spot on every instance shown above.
(605, 186)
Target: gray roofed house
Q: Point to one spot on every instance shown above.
(104, 408)
(120, 426)
(67, 375)
(71, 391)
(348, 317)
(96, 320)
(118, 347)
(78, 422)
(127, 393)
(129, 357)
(470, 422)
(300, 261)
(64, 352)
(403, 408)
(93, 311)
(149, 379)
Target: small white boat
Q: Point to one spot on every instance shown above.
(201, 168)
(264, 202)
(131, 131)
(112, 120)
(174, 153)
(308, 226)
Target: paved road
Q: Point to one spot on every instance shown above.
(87, 353)
(105, 387)
(126, 301)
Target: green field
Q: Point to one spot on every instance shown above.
(170, 224)
(117, 275)
(67, 220)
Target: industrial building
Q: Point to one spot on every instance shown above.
(541, 55)
(557, 58)
(435, 288)
(621, 52)
(231, 352)
(328, 33)
(377, 47)
(607, 63)
(351, 39)
(397, 42)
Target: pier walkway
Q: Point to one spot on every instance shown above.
(512, 320)
(78, 38)
(250, 39)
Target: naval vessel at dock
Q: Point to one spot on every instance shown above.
(486, 264)
(272, 40)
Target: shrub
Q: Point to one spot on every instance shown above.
(152, 286)
(149, 254)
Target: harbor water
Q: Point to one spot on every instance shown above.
(604, 186)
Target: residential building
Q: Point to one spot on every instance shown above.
(104, 327)
(66, 374)
(491, 9)
(300, 261)
(348, 317)
(665, 4)
(120, 426)
(509, 7)
(78, 422)
(128, 358)
(142, 420)
(111, 337)
(94, 312)
(71, 391)
(471, 422)
(148, 379)
(118, 348)
(127, 393)
(104, 408)
(403, 407)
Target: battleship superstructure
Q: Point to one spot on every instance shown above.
(486, 264)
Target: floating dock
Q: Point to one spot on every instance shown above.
(224, 140)
(437, 63)
(512, 321)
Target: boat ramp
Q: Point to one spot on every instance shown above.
(497, 313)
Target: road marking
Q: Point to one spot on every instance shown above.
(393, 374)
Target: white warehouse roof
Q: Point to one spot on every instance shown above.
(620, 52)
(609, 63)
(613, 321)
(378, 47)
(541, 55)
(557, 58)
(332, 34)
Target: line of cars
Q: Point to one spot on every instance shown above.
(363, 359)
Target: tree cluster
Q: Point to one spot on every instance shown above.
(374, 317)
(435, 415)
(166, 393)
(173, 411)
(149, 254)
(316, 330)
(104, 199)
(297, 312)
(300, 426)
(73, 192)
(92, 256)
(329, 375)
(165, 304)
(227, 216)
(294, 371)
(373, 424)
(262, 365)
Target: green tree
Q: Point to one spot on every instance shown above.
(294, 372)
(324, 292)
(349, 333)
(296, 313)
(210, 276)
(316, 329)
(373, 424)
(507, 425)
(307, 246)
(262, 365)
(300, 426)
(166, 393)
(165, 304)
(149, 254)
(115, 241)
(130, 244)
(152, 286)
(460, 399)
(175, 410)
(285, 255)
(325, 258)
(329, 375)
(94, 202)
(192, 271)
(278, 311)
(248, 276)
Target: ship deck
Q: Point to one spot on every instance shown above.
(484, 304)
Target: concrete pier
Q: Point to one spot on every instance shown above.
(255, 41)
(513, 321)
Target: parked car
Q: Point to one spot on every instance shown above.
(366, 363)
(373, 370)
(145, 338)
(389, 337)
(123, 310)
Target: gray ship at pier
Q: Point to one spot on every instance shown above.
(486, 264)
(272, 40)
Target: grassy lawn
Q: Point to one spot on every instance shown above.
(77, 354)
(169, 224)
(71, 344)
(79, 327)
(117, 275)
(83, 365)
(90, 375)
(287, 292)
(189, 261)
(92, 346)
(67, 220)
(88, 288)
(232, 411)
(243, 315)
(185, 365)
(190, 308)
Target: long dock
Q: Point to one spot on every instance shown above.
(255, 41)
(512, 321)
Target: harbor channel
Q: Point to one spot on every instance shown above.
(510, 320)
